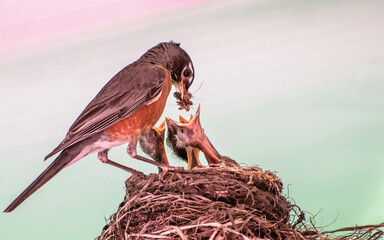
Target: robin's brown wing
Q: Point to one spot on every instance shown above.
(128, 91)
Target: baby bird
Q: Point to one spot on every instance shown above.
(152, 144)
(188, 154)
(191, 135)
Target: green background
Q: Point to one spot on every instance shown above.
(295, 87)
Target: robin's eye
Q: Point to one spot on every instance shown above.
(187, 73)
(182, 130)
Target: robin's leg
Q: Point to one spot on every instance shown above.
(131, 150)
(103, 157)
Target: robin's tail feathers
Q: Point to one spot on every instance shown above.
(56, 166)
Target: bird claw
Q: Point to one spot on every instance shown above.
(164, 170)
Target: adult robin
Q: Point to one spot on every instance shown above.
(186, 153)
(127, 107)
(192, 135)
(152, 144)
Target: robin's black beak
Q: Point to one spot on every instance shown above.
(181, 84)
(182, 81)
(182, 89)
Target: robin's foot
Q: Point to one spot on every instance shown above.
(164, 170)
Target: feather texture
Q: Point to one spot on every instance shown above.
(128, 91)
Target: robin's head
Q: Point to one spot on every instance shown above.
(172, 57)
(182, 70)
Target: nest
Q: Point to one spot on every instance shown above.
(212, 203)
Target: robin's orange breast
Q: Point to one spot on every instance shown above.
(144, 119)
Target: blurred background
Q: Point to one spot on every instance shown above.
(294, 87)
